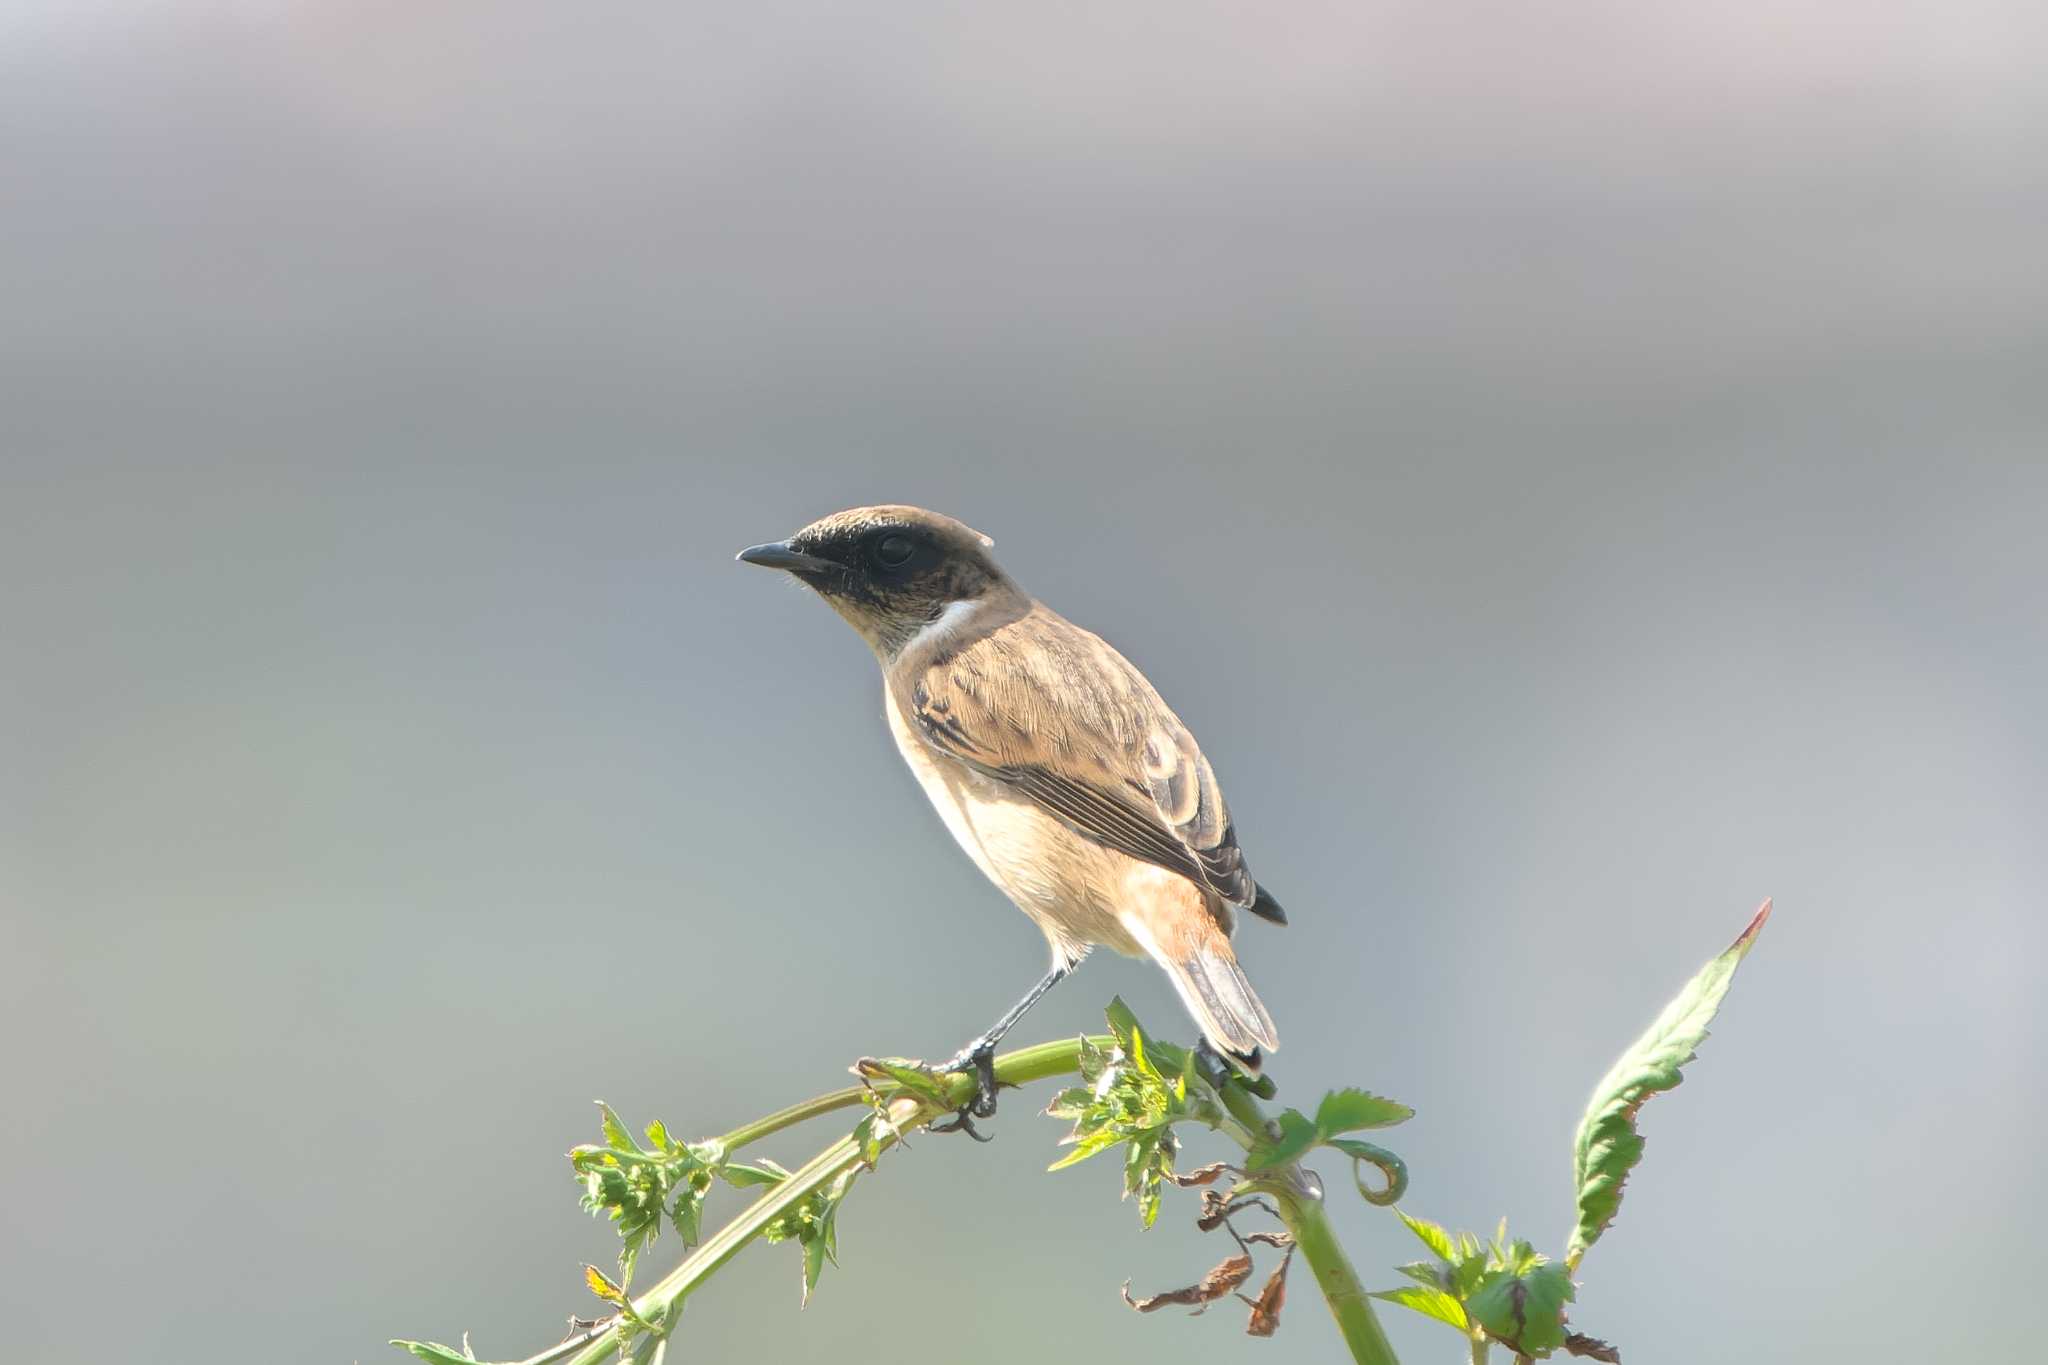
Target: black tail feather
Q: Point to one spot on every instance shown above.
(1265, 907)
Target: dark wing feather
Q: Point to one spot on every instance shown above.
(1061, 718)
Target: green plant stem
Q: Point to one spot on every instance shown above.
(1480, 1349)
(1012, 1068)
(1302, 1210)
(1301, 1207)
(905, 1113)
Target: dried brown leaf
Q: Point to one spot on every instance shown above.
(1592, 1348)
(1201, 1175)
(1222, 1280)
(1265, 1319)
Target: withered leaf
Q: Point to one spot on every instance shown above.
(1579, 1344)
(1201, 1175)
(1216, 1211)
(1271, 1239)
(1222, 1280)
(1265, 1319)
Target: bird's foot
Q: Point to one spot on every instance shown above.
(980, 1058)
(1219, 1071)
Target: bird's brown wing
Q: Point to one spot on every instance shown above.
(1058, 716)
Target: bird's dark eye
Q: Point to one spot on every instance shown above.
(893, 552)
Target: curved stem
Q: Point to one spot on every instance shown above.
(790, 1117)
(904, 1113)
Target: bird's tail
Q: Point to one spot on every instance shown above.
(1214, 989)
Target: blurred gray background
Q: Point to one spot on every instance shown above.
(1578, 468)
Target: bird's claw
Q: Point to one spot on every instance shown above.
(962, 1122)
(981, 1060)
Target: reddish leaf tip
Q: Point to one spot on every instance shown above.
(1747, 937)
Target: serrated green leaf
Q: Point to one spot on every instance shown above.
(615, 1132)
(1432, 1235)
(1122, 1023)
(1137, 1156)
(1429, 1273)
(1137, 1053)
(1085, 1148)
(1608, 1146)
(1297, 1135)
(1070, 1103)
(1348, 1111)
(1431, 1303)
(1526, 1310)
(1466, 1273)
(1521, 1258)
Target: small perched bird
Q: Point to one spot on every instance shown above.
(1052, 761)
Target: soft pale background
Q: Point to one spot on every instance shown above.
(1579, 468)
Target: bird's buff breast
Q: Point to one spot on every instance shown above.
(1072, 887)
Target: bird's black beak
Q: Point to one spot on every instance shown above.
(778, 554)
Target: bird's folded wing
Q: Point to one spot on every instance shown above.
(1058, 716)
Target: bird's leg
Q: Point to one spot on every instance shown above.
(1219, 1071)
(979, 1055)
(1209, 1062)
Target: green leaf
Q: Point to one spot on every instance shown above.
(1122, 1023)
(814, 1263)
(1070, 1103)
(615, 1132)
(1085, 1148)
(1525, 1311)
(1432, 1235)
(436, 1353)
(1346, 1111)
(1608, 1145)
(1093, 1060)
(740, 1174)
(688, 1217)
(1297, 1135)
(1391, 1168)
(1431, 1303)
(1430, 1273)
(1341, 1111)
(1466, 1272)
(917, 1082)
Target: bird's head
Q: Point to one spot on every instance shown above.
(891, 571)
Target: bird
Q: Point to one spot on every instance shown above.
(1052, 761)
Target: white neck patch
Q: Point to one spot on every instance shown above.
(941, 626)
